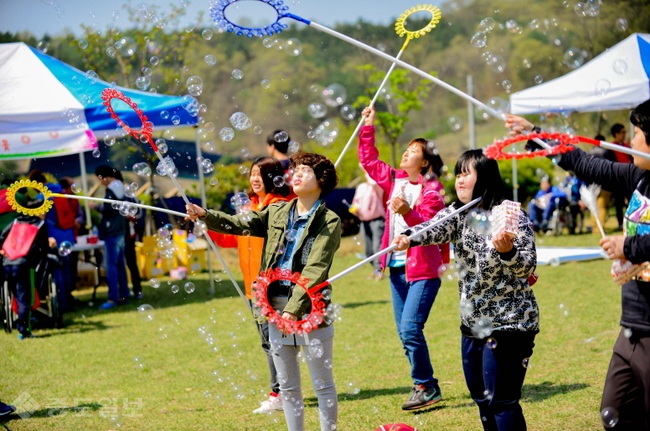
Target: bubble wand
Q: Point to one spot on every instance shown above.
(145, 135)
(316, 293)
(401, 31)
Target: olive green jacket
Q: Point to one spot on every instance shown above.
(314, 253)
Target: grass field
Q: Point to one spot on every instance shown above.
(114, 369)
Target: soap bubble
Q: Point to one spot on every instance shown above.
(240, 121)
(486, 24)
(96, 153)
(539, 79)
(227, 134)
(506, 84)
(162, 144)
(348, 112)
(268, 42)
(194, 85)
(257, 130)
(455, 123)
(146, 313)
(535, 24)
(278, 181)
(500, 105)
(326, 132)
(65, 248)
(210, 60)
(154, 282)
(482, 327)
(294, 147)
(602, 87)
(189, 287)
(83, 44)
(479, 221)
(573, 58)
(609, 416)
(479, 40)
(526, 63)
(43, 46)
(266, 84)
(619, 66)
(497, 63)
(207, 34)
(293, 47)
(621, 25)
(491, 343)
(126, 46)
(143, 82)
(334, 95)
(76, 188)
(154, 61)
(317, 110)
(237, 74)
(281, 136)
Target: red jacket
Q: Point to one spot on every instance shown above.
(422, 262)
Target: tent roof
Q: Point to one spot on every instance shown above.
(618, 78)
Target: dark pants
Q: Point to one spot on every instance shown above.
(627, 385)
(63, 277)
(495, 376)
(19, 278)
(372, 232)
(132, 264)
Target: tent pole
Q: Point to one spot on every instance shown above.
(515, 180)
(84, 185)
(470, 114)
(204, 199)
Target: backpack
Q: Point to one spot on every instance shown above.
(65, 214)
(20, 239)
(4, 205)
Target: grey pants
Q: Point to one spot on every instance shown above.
(372, 232)
(286, 362)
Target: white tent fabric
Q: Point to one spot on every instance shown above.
(619, 78)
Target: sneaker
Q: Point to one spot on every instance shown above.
(6, 409)
(24, 335)
(108, 305)
(422, 396)
(273, 404)
(139, 296)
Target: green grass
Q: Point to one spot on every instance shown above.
(186, 384)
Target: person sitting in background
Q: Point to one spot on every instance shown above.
(571, 185)
(544, 203)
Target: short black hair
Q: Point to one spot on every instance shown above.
(282, 147)
(616, 129)
(37, 176)
(640, 117)
(323, 169)
(107, 171)
(489, 184)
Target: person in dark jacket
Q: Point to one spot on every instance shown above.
(625, 404)
(111, 230)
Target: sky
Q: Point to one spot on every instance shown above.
(54, 17)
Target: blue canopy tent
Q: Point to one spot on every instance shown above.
(49, 108)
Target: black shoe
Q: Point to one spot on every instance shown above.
(422, 396)
(6, 409)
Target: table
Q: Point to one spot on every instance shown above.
(92, 258)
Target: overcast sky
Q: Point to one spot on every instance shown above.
(55, 16)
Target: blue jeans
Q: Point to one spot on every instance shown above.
(63, 278)
(118, 287)
(412, 302)
(495, 376)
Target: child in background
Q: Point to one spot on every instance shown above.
(499, 313)
(308, 235)
(626, 394)
(413, 197)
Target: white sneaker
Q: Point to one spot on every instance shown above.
(273, 404)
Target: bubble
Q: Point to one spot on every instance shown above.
(43, 46)
(479, 40)
(146, 313)
(214, 181)
(237, 74)
(83, 44)
(534, 24)
(227, 134)
(293, 147)
(240, 121)
(352, 389)
(207, 166)
(96, 153)
(243, 169)
(326, 132)
(486, 24)
(126, 46)
(115, 419)
(573, 58)
(501, 106)
(65, 248)
(189, 287)
(162, 144)
(539, 79)
(268, 42)
(110, 51)
(619, 66)
(92, 75)
(327, 363)
(497, 63)
(348, 112)
(210, 60)
(154, 282)
(554, 261)
(257, 130)
(316, 348)
(317, 110)
(293, 47)
(491, 343)
(466, 307)
(602, 87)
(527, 63)
(207, 34)
(175, 288)
(334, 95)
(580, 9)
(621, 25)
(627, 333)
(525, 363)
(506, 84)
(455, 123)
(266, 84)
(142, 82)
(281, 136)
(609, 416)
(482, 327)
(194, 85)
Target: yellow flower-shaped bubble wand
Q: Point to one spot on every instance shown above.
(401, 31)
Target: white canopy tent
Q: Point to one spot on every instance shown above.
(619, 78)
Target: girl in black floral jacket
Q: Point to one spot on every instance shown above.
(499, 313)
